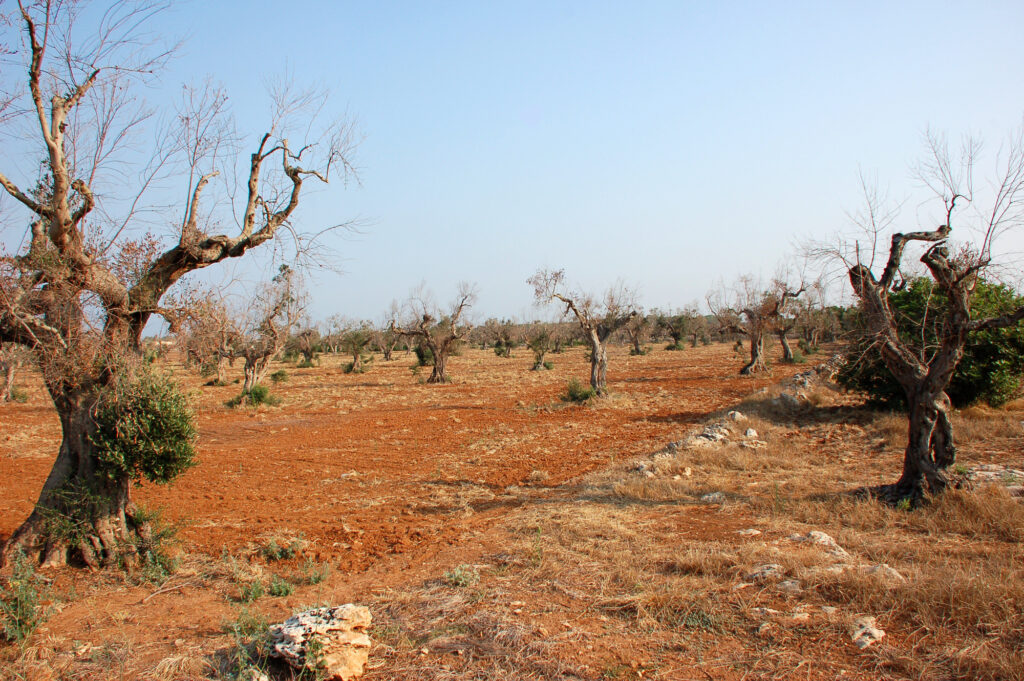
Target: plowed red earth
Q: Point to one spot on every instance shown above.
(372, 465)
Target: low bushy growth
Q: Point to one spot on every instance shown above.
(21, 600)
(144, 430)
(577, 393)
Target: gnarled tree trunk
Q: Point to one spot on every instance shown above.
(598, 362)
(81, 514)
(439, 374)
(930, 449)
(787, 352)
(756, 362)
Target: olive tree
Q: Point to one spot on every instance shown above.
(73, 90)
(12, 358)
(437, 330)
(271, 317)
(876, 272)
(752, 309)
(598, 318)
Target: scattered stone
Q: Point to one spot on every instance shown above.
(754, 444)
(737, 416)
(790, 586)
(749, 532)
(750, 432)
(340, 635)
(764, 572)
(764, 628)
(787, 401)
(800, 616)
(713, 498)
(713, 433)
(829, 609)
(864, 632)
(824, 541)
(764, 613)
(885, 572)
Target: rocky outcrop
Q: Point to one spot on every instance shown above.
(333, 640)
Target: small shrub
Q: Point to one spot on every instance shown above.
(549, 365)
(279, 376)
(305, 364)
(576, 393)
(280, 587)
(21, 600)
(259, 394)
(154, 545)
(315, 572)
(250, 592)
(247, 657)
(274, 551)
(806, 347)
(424, 355)
(462, 576)
(19, 394)
(798, 358)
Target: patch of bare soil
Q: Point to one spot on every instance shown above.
(497, 533)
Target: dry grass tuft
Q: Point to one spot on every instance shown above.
(986, 513)
(981, 423)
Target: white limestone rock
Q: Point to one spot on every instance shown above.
(342, 645)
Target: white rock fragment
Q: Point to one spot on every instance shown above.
(750, 433)
(790, 586)
(885, 572)
(713, 498)
(824, 541)
(737, 416)
(864, 632)
(340, 636)
(764, 572)
(749, 532)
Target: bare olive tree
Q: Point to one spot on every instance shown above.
(752, 309)
(955, 272)
(355, 341)
(598, 318)
(272, 315)
(540, 338)
(503, 334)
(209, 338)
(637, 330)
(12, 358)
(384, 336)
(76, 86)
(437, 330)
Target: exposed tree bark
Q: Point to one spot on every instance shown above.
(787, 351)
(756, 363)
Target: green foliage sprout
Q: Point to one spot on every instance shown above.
(145, 429)
(993, 363)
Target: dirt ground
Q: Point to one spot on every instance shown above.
(496, 532)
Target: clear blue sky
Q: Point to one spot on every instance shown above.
(670, 144)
